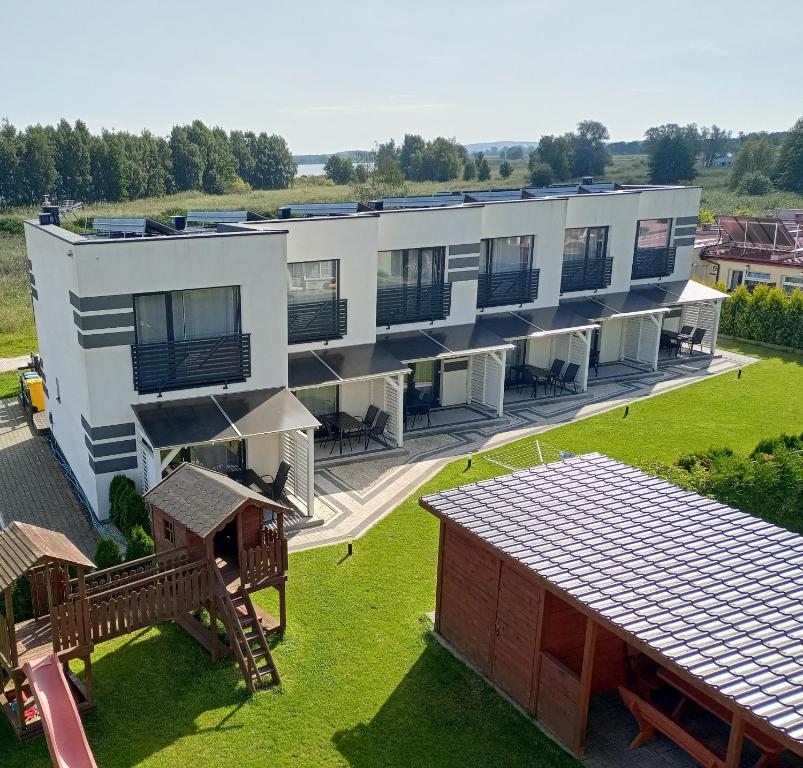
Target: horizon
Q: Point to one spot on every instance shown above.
(328, 81)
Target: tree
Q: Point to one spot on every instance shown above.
(361, 173)
(188, 160)
(107, 554)
(37, 166)
(755, 183)
(339, 169)
(241, 148)
(9, 162)
(589, 155)
(789, 167)
(541, 174)
(672, 152)
(554, 151)
(138, 544)
(412, 144)
(714, 141)
(73, 163)
(505, 169)
(469, 169)
(274, 167)
(757, 155)
(483, 168)
(516, 152)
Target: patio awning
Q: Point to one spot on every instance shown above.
(629, 304)
(688, 292)
(410, 346)
(552, 321)
(341, 364)
(507, 325)
(218, 418)
(306, 369)
(467, 339)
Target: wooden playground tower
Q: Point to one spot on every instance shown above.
(216, 542)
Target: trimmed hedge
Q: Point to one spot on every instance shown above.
(138, 544)
(767, 315)
(107, 554)
(127, 510)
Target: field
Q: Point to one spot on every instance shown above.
(364, 683)
(17, 335)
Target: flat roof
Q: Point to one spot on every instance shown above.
(410, 346)
(630, 303)
(305, 369)
(713, 590)
(448, 341)
(219, 418)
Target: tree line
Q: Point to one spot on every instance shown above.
(69, 162)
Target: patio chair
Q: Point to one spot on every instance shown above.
(569, 377)
(554, 371)
(696, 340)
(377, 430)
(686, 330)
(593, 361)
(370, 416)
(324, 434)
(275, 488)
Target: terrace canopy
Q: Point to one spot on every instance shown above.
(568, 568)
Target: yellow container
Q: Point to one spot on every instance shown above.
(36, 390)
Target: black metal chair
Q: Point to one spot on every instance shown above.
(273, 488)
(593, 361)
(324, 434)
(568, 377)
(377, 430)
(554, 371)
(370, 416)
(696, 340)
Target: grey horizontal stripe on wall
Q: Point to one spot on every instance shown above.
(112, 465)
(686, 220)
(464, 261)
(98, 340)
(456, 250)
(108, 432)
(468, 274)
(111, 449)
(107, 320)
(455, 365)
(101, 303)
(34, 292)
(683, 231)
(683, 241)
(32, 278)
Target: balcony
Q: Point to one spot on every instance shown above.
(316, 321)
(182, 364)
(653, 262)
(586, 275)
(499, 289)
(412, 303)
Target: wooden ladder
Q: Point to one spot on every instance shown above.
(248, 640)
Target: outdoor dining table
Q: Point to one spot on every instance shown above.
(343, 422)
(536, 371)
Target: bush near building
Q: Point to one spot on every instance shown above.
(766, 314)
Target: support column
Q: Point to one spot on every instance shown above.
(310, 432)
(499, 357)
(733, 758)
(585, 340)
(716, 306)
(578, 747)
(163, 465)
(657, 321)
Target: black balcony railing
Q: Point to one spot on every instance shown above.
(653, 262)
(500, 288)
(316, 320)
(412, 303)
(586, 275)
(196, 363)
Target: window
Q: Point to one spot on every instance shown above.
(506, 254)
(736, 279)
(312, 281)
(412, 267)
(585, 243)
(752, 279)
(653, 233)
(791, 283)
(320, 400)
(199, 313)
(170, 534)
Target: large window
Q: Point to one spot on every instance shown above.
(200, 313)
(411, 287)
(653, 233)
(312, 281)
(320, 400)
(791, 283)
(585, 243)
(315, 311)
(506, 254)
(412, 267)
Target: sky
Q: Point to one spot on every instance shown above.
(332, 76)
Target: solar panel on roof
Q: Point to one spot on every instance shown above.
(430, 201)
(321, 209)
(217, 217)
(551, 191)
(494, 194)
(123, 225)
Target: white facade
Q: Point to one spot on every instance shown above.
(85, 320)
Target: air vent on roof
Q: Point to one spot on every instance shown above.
(587, 180)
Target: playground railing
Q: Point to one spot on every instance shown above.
(263, 562)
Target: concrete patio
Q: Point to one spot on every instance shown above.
(353, 494)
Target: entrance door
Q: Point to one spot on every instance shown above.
(226, 546)
(425, 378)
(516, 625)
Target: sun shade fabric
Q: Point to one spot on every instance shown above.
(202, 499)
(635, 302)
(304, 369)
(265, 411)
(688, 292)
(556, 320)
(22, 546)
(460, 339)
(756, 231)
(715, 591)
(361, 361)
(170, 424)
(411, 346)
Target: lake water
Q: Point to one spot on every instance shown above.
(311, 169)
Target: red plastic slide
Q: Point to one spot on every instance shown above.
(65, 733)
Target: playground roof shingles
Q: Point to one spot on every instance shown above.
(713, 590)
(23, 546)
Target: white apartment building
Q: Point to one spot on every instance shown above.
(228, 339)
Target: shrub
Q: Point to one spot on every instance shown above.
(129, 510)
(505, 169)
(767, 314)
(469, 169)
(138, 544)
(119, 486)
(541, 175)
(705, 216)
(755, 183)
(11, 225)
(107, 554)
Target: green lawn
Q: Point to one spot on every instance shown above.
(364, 684)
(9, 384)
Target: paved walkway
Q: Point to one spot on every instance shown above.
(12, 363)
(32, 486)
(351, 497)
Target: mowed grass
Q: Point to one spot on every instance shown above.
(364, 683)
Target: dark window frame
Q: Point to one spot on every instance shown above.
(487, 257)
(316, 261)
(169, 531)
(604, 255)
(438, 265)
(670, 223)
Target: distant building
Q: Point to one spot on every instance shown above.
(723, 161)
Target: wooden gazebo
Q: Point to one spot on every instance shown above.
(59, 623)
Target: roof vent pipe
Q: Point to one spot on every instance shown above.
(587, 180)
(178, 222)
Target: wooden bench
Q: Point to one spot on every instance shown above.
(770, 749)
(651, 720)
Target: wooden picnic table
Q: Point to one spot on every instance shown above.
(343, 423)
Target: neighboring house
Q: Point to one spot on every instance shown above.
(224, 338)
(752, 251)
(723, 161)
